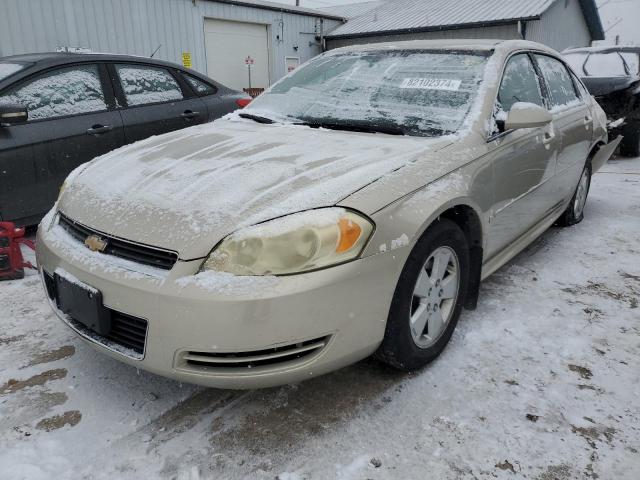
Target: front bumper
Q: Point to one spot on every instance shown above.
(328, 319)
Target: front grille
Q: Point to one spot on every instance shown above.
(248, 360)
(118, 247)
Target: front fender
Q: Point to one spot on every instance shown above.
(403, 222)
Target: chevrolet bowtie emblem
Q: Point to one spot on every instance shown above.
(95, 243)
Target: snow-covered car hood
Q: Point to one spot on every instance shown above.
(187, 190)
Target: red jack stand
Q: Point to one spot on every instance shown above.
(12, 263)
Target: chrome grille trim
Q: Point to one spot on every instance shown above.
(118, 247)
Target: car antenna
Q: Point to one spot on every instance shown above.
(155, 51)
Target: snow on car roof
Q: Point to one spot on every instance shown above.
(452, 44)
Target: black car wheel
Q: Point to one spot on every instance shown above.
(428, 298)
(575, 211)
(630, 146)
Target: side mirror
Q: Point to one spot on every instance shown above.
(527, 115)
(12, 114)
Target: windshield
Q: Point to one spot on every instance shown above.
(601, 64)
(7, 69)
(424, 93)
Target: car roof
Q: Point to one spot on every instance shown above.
(60, 58)
(36, 62)
(449, 44)
(607, 49)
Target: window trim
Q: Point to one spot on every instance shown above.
(121, 96)
(105, 84)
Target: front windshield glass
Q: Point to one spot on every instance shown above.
(424, 93)
(7, 69)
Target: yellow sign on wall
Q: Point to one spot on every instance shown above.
(186, 59)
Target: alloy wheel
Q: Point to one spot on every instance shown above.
(434, 296)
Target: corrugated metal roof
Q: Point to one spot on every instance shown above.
(407, 15)
(352, 10)
(281, 7)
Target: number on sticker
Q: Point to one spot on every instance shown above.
(431, 83)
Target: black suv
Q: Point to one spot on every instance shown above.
(59, 110)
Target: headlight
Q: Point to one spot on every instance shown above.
(293, 244)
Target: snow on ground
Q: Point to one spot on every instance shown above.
(542, 381)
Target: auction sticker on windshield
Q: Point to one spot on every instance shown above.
(431, 83)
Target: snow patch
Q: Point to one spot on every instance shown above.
(227, 283)
(401, 241)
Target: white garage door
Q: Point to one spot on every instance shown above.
(228, 44)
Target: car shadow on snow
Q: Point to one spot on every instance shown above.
(275, 421)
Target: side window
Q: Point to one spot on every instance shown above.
(144, 84)
(519, 83)
(561, 89)
(60, 93)
(202, 88)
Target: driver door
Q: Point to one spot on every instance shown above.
(524, 160)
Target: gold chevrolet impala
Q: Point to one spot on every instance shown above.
(352, 210)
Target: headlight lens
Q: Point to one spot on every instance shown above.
(293, 244)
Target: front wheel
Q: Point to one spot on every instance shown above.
(575, 211)
(428, 298)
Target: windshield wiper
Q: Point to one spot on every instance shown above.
(356, 127)
(257, 118)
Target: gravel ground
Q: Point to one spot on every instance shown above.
(542, 381)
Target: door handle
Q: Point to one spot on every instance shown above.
(188, 114)
(99, 129)
(548, 137)
(588, 120)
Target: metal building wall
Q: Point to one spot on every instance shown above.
(137, 27)
(561, 26)
(501, 31)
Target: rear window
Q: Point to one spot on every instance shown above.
(598, 64)
(7, 69)
(605, 65)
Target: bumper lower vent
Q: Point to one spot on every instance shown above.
(238, 361)
(128, 331)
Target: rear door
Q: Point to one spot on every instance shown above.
(72, 119)
(524, 160)
(573, 123)
(154, 100)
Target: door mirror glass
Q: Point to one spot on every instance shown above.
(527, 115)
(12, 114)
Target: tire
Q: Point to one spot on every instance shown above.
(400, 347)
(630, 146)
(575, 210)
